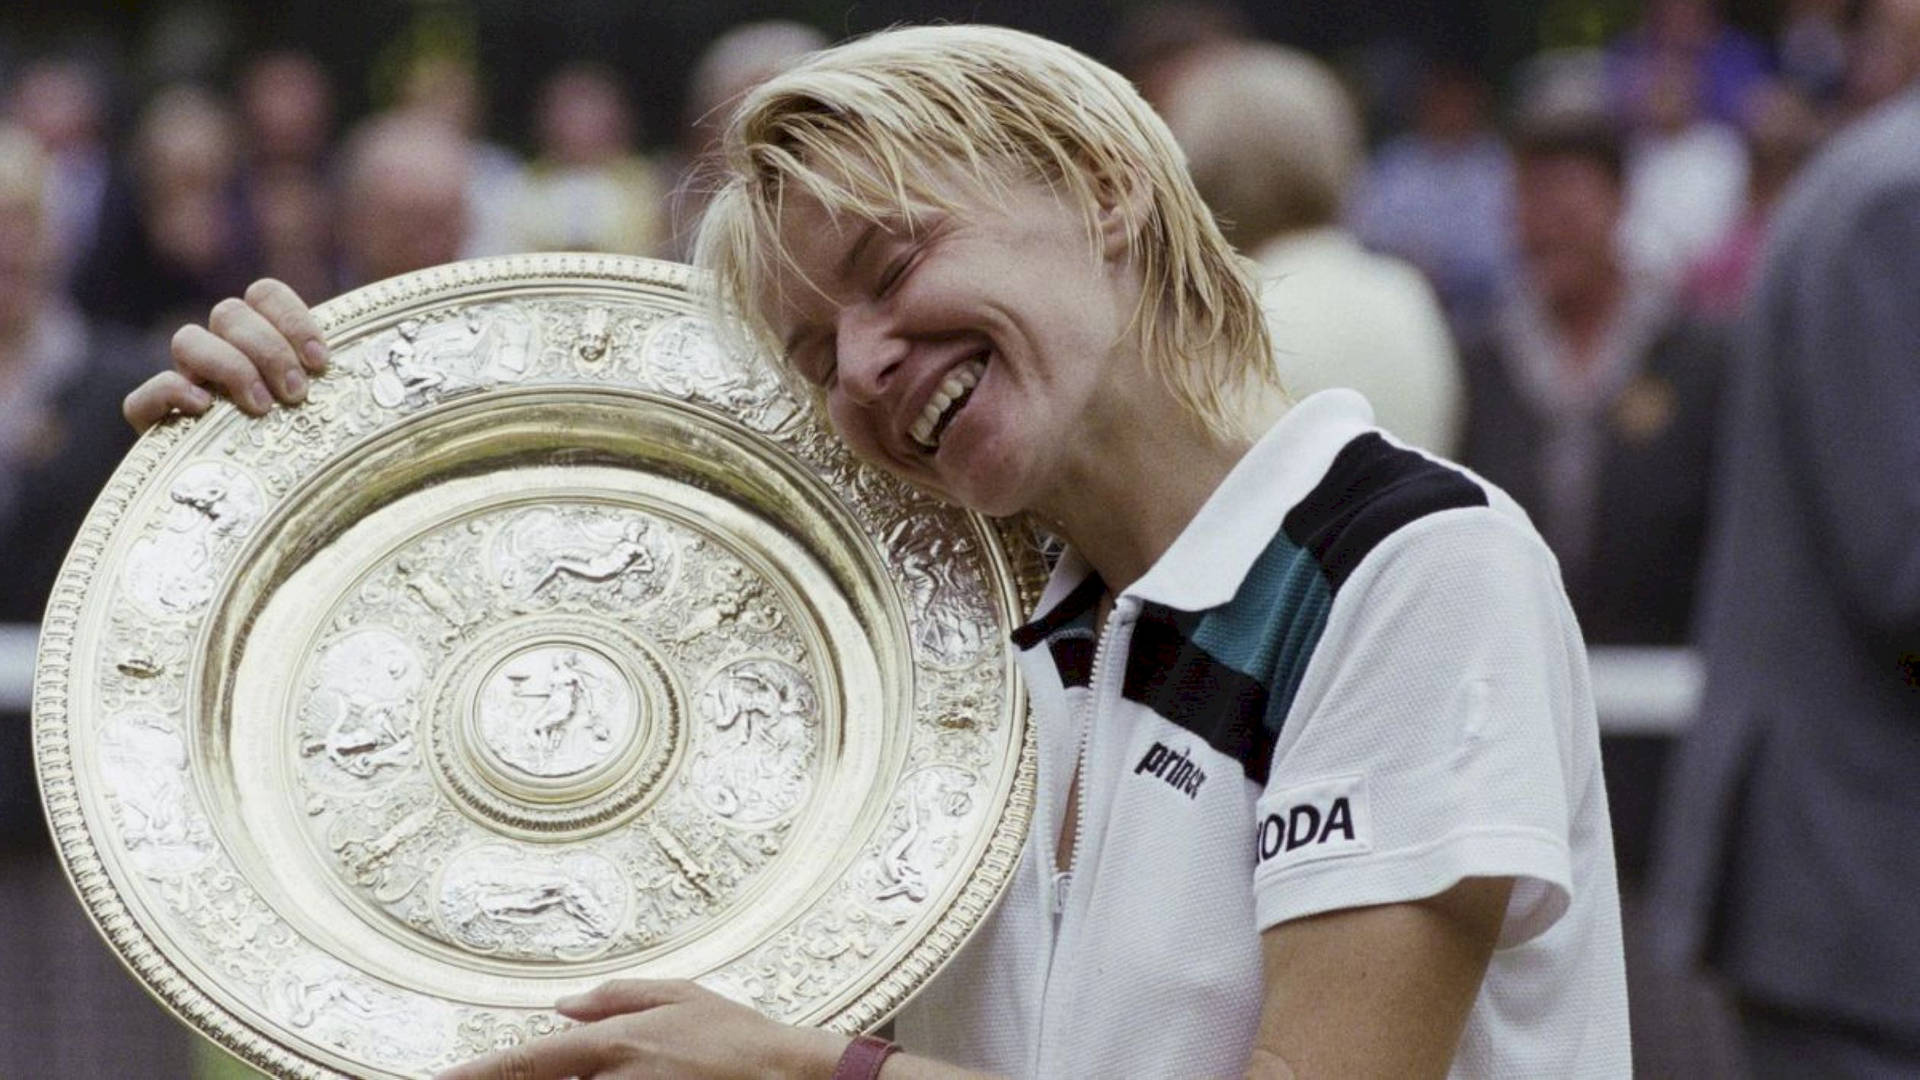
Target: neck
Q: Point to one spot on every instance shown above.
(1122, 507)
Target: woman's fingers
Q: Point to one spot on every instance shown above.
(204, 357)
(290, 315)
(166, 392)
(271, 354)
(618, 996)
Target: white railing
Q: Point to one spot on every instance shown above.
(1638, 691)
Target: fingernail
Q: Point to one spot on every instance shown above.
(296, 385)
(199, 398)
(316, 353)
(258, 397)
(571, 1001)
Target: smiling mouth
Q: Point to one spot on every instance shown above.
(945, 404)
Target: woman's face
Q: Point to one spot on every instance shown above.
(968, 352)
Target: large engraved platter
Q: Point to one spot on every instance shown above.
(549, 642)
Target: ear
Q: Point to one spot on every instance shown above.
(1123, 206)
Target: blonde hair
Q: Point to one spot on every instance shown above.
(1271, 136)
(880, 127)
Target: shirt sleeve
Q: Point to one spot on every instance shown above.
(1436, 732)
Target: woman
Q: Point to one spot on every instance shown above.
(1319, 789)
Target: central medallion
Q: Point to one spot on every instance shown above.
(555, 725)
(555, 711)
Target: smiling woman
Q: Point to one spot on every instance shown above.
(1319, 783)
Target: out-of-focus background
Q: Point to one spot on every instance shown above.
(1530, 232)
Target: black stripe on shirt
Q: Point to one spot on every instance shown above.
(1181, 681)
(1372, 490)
(1079, 602)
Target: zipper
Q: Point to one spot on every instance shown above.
(1061, 882)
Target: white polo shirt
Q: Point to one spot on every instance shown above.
(1352, 680)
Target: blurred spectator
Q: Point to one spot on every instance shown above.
(1782, 130)
(1887, 53)
(286, 103)
(1156, 41)
(404, 206)
(1788, 858)
(1273, 142)
(1686, 173)
(736, 62)
(1592, 402)
(60, 382)
(1725, 62)
(446, 89)
(589, 190)
(1441, 197)
(63, 104)
(176, 235)
(1812, 42)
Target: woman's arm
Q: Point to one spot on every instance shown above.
(644, 1028)
(1376, 991)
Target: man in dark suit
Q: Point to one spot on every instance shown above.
(1790, 859)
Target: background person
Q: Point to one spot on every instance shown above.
(1788, 855)
(60, 379)
(1273, 143)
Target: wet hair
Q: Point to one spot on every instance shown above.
(887, 127)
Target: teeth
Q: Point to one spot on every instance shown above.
(946, 403)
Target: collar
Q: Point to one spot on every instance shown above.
(1210, 558)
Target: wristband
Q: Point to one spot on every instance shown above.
(863, 1058)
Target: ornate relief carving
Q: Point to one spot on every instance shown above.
(646, 704)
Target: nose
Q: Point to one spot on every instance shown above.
(867, 351)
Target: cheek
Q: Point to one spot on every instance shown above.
(857, 432)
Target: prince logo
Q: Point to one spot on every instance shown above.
(1176, 768)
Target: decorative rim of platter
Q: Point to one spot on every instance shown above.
(549, 641)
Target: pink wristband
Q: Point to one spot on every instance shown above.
(863, 1058)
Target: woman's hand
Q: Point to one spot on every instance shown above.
(254, 350)
(634, 1028)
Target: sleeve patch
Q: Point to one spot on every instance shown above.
(1319, 820)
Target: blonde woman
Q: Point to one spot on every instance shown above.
(1320, 790)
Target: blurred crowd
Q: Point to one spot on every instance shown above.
(1540, 278)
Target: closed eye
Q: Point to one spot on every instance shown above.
(897, 271)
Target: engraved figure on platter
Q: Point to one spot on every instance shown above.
(398, 376)
(364, 735)
(931, 821)
(556, 710)
(143, 761)
(358, 715)
(689, 361)
(595, 335)
(433, 595)
(565, 696)
(529, 905)
(340, 1008)
(610, 556)
(500, 899)
(951, 626)
(425, 359)
(210, 508)
(737, 597)
(629, 552)
(757, 770)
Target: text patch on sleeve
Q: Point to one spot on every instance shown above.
(1318, 820)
